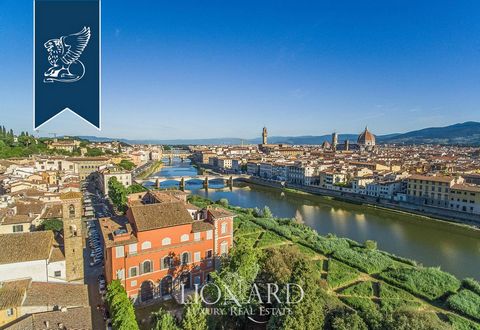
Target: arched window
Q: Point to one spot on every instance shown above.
(146, 291)
(185, 258)
(166, 285)
(146, 267)
(146, 245)
(71, 211)
(184, 238)
(167, 262)
(166, 241)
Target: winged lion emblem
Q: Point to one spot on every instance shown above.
(64, 54)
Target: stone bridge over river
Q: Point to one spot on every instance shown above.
(227, 178)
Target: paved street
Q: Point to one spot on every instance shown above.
(101, 208)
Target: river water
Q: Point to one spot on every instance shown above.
(433, 243)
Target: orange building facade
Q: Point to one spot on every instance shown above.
(162, 242)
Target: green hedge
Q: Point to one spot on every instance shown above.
(306, 250)
(466, 302)
(390, 292)
(339, 273)
(367, 310)
(460, 323)
(429, 282)
(362, 289)
(248, 227)
(370, 261)
(269, 239)
(471, 284)
(249, 239)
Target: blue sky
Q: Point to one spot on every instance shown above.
(199, 69)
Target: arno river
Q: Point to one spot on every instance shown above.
(455, 249)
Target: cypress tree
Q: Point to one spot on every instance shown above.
(194, 317)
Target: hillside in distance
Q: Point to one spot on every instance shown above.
(467, 133)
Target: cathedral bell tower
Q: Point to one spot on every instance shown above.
(72, 234)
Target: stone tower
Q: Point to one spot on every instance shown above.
(334, 140)
(264, 136)
(72, 234)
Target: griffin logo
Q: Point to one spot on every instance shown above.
(63, 56)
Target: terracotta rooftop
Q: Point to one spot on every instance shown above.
(53, 211)
(56, 294)
(159, 215)
(220, 213)
(57, 254)
(22, 247)
(17, 219)
(12, 293)
(201, 225)
(72, 318)
(116, 231)
(71, 195)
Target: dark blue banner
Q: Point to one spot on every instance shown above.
(67, 59)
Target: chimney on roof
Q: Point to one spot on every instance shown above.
(47, 324)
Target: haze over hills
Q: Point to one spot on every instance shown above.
(467, 133)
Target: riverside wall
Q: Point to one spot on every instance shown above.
(422, 210)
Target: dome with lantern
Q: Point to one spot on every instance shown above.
(366, 138)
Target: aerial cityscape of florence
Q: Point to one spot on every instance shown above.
(239, 165)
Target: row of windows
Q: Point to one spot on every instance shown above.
(465, 193)
(430, 182)
(88, 166)
(132, 248)
(463, 200)
(168, 262)
(439, 189)
(464, 208)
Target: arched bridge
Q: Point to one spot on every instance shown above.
(229, 178)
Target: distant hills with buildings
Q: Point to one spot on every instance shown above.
(467, 133)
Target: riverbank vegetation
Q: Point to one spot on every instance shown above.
(347, 284)
(153, 168)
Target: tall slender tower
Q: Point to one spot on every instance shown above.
(264, 136)
(334, 140)
(72, 234)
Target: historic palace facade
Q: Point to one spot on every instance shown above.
(162, 242)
